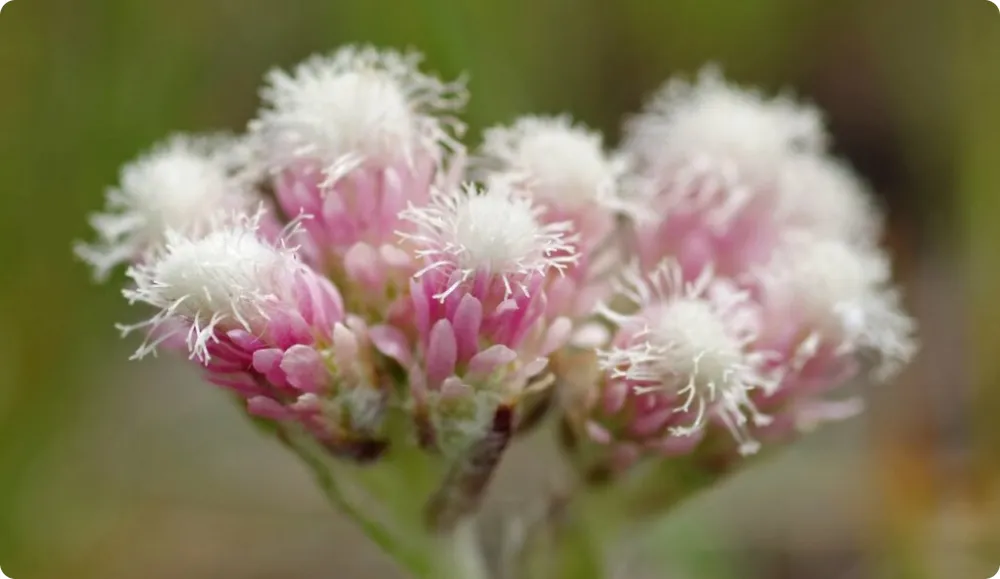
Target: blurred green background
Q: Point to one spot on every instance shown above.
(111, 469)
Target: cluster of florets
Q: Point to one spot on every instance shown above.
(346, 262)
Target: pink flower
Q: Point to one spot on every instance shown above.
(684, 359)
(829, 311)
(351, 139)
(474, 336)
(714, 157)
(262, 324)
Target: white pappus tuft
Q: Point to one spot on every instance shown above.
(177, 185)
(358, 104)
(692, 340)
(561, 163)
(843, 292)
(716, 145)
(825, 197)
(224, 280)
(467, 231)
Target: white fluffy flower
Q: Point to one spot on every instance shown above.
(562, 164)
(491, 231)
(692, 340)
(358, 104)
(842, 292)
(180, 184)
(227, 277)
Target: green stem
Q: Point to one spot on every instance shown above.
(568, 543)
(459, 555)
(412, 560)
(370, 496)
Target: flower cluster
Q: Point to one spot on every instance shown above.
(346, 262)
(757, 287)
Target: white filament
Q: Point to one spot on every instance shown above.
(489, 231)
(227, 278)
(559, 162)
(693, 340)
(356, 105)
(178, 185)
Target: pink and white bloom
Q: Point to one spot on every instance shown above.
(713, 157)
(565, 170)
(180, 185)
(683, 360)
(351, 139)
(475, 336)
(830, 311)
(262, 324)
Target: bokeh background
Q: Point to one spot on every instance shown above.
(111, 469)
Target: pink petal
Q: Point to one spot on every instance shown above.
(305, 369)
(267, 408)
(535, 367)
(421, 307)
(589, 336)
(557, 335)
(345, 345)
(597, 433)
(442, 353)
(265, 361)
(614, 396)
(245, 340)
(391, 342)
(490, 359)
(394, 256)
(468, 317)
(648, 424)
(453, 387)
(361, 263)
(287, 328)
(240, 383)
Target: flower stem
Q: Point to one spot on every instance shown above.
(408, 558)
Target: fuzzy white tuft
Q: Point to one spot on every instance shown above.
(844, 293)
(716, 145)
(491, 231)
(357, 105)
(559, 162)
(225, 279)
(177, 185)
(826, 198)
(693, 340)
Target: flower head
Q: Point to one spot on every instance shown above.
(563, 165)
(490, 234)
(690, 345)
(230, 280)
(265, 326)
(355, 106)
(714, 124)
(716, 151)
(833, 300)
(178, 185)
